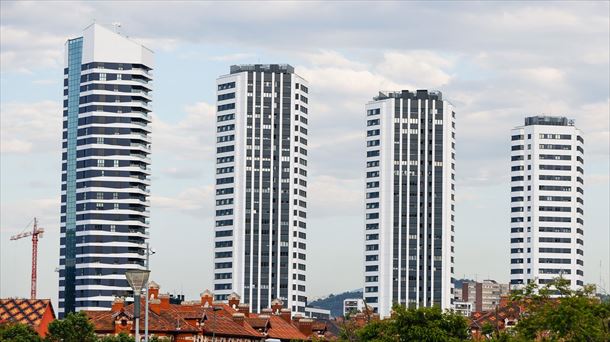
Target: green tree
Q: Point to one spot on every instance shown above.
(487, 329)
(422, 324)
(554, 312)
(76, 327)
(122, 337)
(18, 332)
(159, 339)
(428, 324)
(348, 330)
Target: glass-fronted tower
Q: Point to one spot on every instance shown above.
(547, 200)
(261, 186)
(105, 167)
(410, 177)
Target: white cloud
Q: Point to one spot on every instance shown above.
(546, 76)
(594, 120)
(182, 172)
(424, 69)
(23, 50)
(232, 57)
(331, 196)
(331, 58)
(30, 127)
(16, 214)
(192, 200)
(191, 138)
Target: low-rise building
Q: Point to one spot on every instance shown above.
(205, 319)
(463, 308)
(317, 313)
(352, 306)
(485, 295)
(37, 313)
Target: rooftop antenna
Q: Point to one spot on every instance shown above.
(602, 288)
(117, 27)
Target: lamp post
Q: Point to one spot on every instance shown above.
(149, 251)
(137, 280)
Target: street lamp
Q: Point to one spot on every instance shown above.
(137, 280)
(149, 252)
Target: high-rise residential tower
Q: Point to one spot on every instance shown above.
(105, 167)
(261, 186)
(410, 177)
(547, 191)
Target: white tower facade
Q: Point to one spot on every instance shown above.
(547, 201)
(410, 177)
(261, 186)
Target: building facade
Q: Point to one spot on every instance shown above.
(352, 306)
(261, 186)
(547, 200)
(105, 167)
(410, 177)
(485, 295)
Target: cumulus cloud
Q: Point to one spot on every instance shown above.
(30, 127)
(196, 200)
(16, 214)
(332, 196)
(191, 138)
(425, 69)
(24, 50)
(232, 57)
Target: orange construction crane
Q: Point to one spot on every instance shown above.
(34, 234)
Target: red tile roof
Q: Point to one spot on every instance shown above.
(26, 311)
(284, 330)
(261, 322)
(217, 318)
(510, 312)
(166, 321)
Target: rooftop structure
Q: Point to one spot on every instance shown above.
(229, 320)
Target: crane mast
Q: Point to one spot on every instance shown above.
(35, 233)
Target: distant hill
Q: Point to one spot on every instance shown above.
(458, 282)
(334, 302)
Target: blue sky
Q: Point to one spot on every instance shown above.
(496, 62)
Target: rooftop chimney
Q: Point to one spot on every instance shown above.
(118, 304)
(286, 314)
(276, 306)
(305, 326)
(244, 309)
(164, 301)
(234, 300)
(155, 305)
(239, 318)
(153, 290)
(207, 298)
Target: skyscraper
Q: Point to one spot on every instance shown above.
(546, 239)
(105, 167)
(261, 186)
(410, 177)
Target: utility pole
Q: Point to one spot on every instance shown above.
(147, 295)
